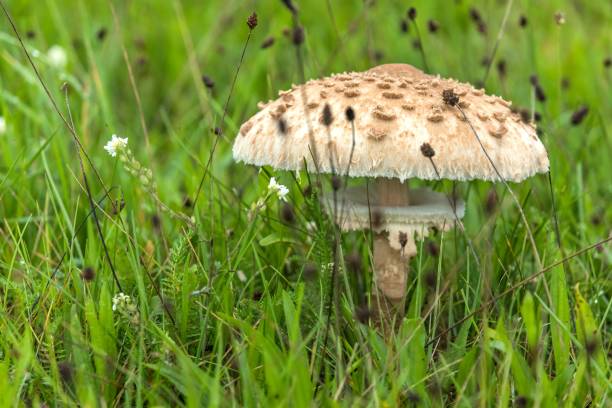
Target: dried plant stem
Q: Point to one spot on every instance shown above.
(221, 126)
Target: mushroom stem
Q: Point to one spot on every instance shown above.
(391, 275)
(390, 192)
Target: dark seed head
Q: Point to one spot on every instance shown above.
(523, 21)
(534, 80)
(336, 182)
(101, 34)
(156, 221)
(187, 203)
(482, 27)
(579, 115)
(208, 82)
(363, 314)
(353, 262)
(427, 150)
(289, 4)
(404, 26)
(412, 13)
(403, 239)
(591, 346)
(327, 115)
(218, 131)
(607, 62)
(298, 35)
(377, 219)
(491, 203)
(433, 26)
(520, 401)
(540, 94)
(88, 274)
(432, 248)
(378, 55)
(308, 191)
(412, 397)
(310, 271)
(565, 83)
(282, 126)
(537, 116)
(450, 97)
(66, 371)
(287, 214)
(475, 15)
(501, 68)
(252, 21)
(350, 114)
(31, 34)
(430, 279)
(267, 43)
(416, 44)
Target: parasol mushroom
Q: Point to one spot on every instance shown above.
(407, 125)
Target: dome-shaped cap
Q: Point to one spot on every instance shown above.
(398, 109)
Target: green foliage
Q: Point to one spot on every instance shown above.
(232, 310)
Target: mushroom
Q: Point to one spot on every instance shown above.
(404, 128)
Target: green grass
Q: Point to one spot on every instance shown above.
(253, 331)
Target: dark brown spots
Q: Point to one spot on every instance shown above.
(328, 84)
(244, 129)
(289, 99)
(408, 107)
(278, 111)
(392, 95)
(369, 79)
(312, 105)
(403, 85)
(352, 84)
(377, 133)
(380, 114)
(450, 97)
(464, 104)
(383, 85)
(323, 94)
(343, 78)
(340, 89)
(352, 93)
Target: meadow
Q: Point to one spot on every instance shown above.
(179, 278)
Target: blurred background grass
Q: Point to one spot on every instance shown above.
(255, 336)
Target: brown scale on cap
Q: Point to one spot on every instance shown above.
(381, 114)
(375, 97)
(482, 116)
(497, 131)
(278, 111)
(499, 116)
(436, 114)
(340, 89)
(392, 95)
(377, 133)
(244, 129)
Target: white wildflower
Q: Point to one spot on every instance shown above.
(2, 125)
(57, 57)
(280, 190)
(115, 144)
(120, 300)
(241, 276)
(124, 305)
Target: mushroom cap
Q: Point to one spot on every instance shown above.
(397, 109)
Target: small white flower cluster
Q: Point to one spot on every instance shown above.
(280, 190)
(123, 304)
(116, 144)
(57, 57)
(2, 125)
